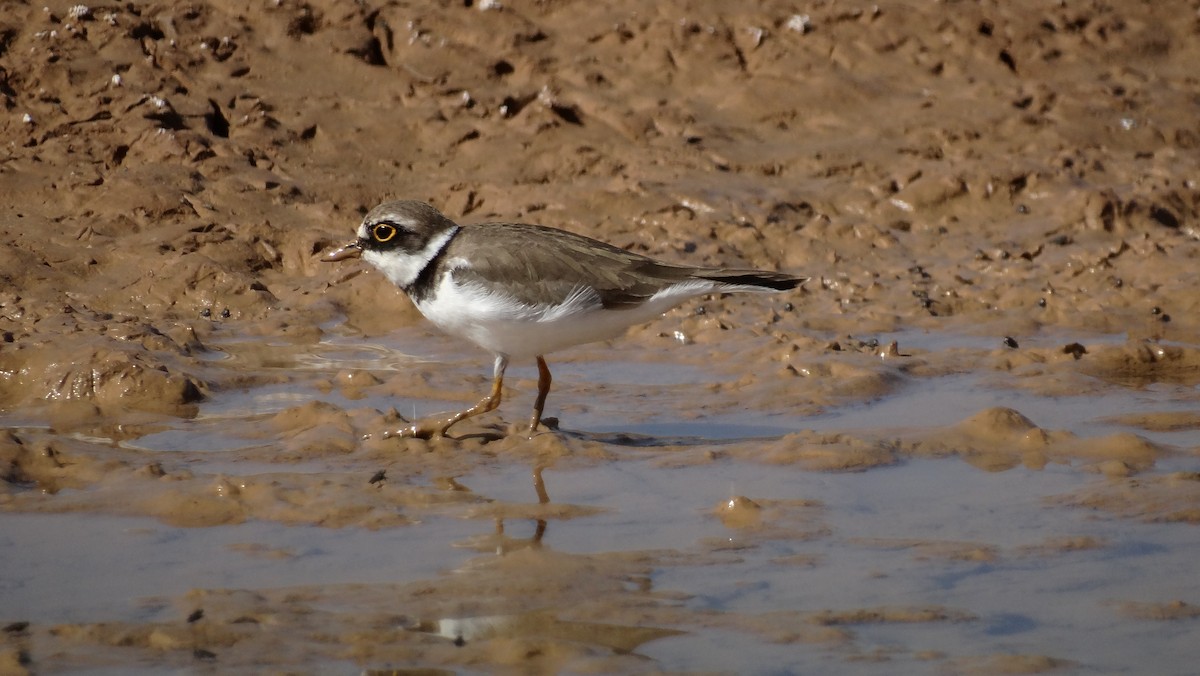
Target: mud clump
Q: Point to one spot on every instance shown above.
(1141, 364)
(998, 439)
(109, 374)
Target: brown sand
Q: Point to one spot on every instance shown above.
(1020, 176)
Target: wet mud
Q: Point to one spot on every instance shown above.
(968, 445)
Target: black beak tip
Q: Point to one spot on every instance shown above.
(344, 252)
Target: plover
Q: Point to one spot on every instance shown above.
(522, 291)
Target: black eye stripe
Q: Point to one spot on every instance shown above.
(387, 235)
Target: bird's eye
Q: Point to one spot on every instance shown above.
(383, 232)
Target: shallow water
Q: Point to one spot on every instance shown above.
(917, 564)
(108, 568)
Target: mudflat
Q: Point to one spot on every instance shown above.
(970, 444)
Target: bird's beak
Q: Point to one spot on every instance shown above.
(350, 250)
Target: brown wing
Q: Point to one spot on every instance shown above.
(541, 265)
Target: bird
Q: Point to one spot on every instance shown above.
(522, 291)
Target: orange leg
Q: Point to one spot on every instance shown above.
(543, 390)
(432, 428)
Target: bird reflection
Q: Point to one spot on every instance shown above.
(520, 621)
(506, 544)
(501, 542)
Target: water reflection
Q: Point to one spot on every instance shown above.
(647, 554)
(500, 541)
(543, 624)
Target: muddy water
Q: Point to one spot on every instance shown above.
(968, 445)
(682, 544)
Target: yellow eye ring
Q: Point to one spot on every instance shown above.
(383, 232)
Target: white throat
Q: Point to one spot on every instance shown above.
(403, 267)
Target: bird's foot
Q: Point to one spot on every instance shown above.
(540, 425)
(436, 427)
(429, 428)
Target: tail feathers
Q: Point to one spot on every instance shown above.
(753, 280)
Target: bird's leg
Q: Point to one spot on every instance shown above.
(543, 390)
(433, 428)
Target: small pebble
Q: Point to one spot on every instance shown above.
(1075, 350)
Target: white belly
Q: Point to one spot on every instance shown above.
(503, 325)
